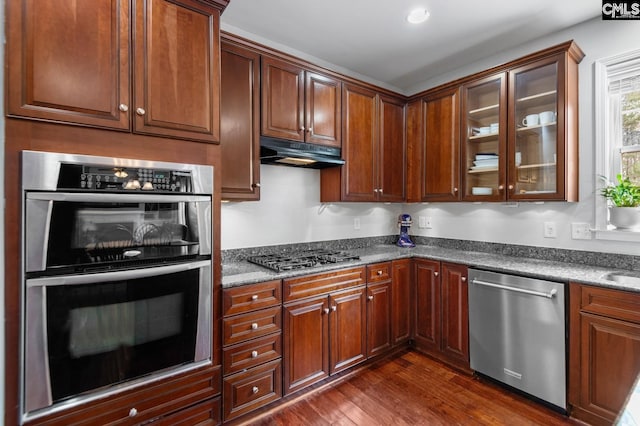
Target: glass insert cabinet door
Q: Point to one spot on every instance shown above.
(484, 139)
(534, 138)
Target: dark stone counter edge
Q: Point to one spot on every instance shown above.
(238, 272)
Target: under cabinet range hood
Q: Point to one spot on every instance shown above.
(298, 154)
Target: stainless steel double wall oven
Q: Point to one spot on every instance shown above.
(117, 275)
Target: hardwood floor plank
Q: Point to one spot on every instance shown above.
(412, 389)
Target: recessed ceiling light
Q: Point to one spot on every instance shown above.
(417, 16)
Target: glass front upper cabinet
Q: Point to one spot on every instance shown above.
(483, 139)
(535, 161)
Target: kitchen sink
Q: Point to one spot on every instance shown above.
(623, 277)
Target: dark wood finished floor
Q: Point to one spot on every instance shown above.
(411, 389)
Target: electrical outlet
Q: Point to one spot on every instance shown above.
(422, 222)
(356, 223)
(550, 230)
(428, 223)
(580, 231)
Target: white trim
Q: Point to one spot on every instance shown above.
(604, 69)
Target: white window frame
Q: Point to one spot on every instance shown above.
(605, 163)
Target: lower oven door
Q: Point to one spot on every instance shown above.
(90, 334)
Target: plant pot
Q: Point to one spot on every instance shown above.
(625, 217)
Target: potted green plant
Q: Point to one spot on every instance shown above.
(624, 198)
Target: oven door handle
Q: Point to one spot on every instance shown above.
(98, 197)
(115, 275)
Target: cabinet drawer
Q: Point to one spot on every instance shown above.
(313, 285)
(379, 272)
(618, 304)
(243, 327)
(254, 352)
(246, 391)
(247, 298)
(205, 413)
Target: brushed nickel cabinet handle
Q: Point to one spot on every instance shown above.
(255, 390)
(334, 308)
(254, 326)
(140, 111)
(254, 297)
(463, 279)
(123, 108)
(510, 187)
(326, 310)
(254, 354)
(501, 187)
(370, 297)
(379, 272)
(133, 412)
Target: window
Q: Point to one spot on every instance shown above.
(617, 102)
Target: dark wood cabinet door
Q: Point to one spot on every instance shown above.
(348, 328)
(176, 70)
(427, 326)
(433, 132)
(50, 73)
(306, 343)
(378, 318)
(391, 150)
(609, 364)
(323, 110)
(282, 99)
(401, 301)
(359, 143)
(240, 123)
(455, 312)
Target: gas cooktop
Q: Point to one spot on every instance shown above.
(303, 259)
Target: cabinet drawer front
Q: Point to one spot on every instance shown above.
(312, 285)
(612, 303)
(246, 391)
(379, 272)
(254, 324)
(255, 352)
(252, 297)
(208, 412)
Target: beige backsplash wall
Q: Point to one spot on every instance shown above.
(290, 211)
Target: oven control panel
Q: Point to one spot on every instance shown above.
(123, 179)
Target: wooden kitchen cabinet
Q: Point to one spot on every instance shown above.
(252, 347)
(433, 145)
(240, 122)
(69, 62)
(401, 301)
(533, 160)
(379, 294)
(324, 326)
(373, 148)
(441, 326)
(604, 351)
(299, 104)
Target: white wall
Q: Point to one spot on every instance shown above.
(288, 193)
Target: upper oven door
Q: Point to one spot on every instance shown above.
(71, 232)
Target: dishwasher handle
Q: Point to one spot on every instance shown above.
(549, 295)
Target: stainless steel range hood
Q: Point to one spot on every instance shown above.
(298, 154)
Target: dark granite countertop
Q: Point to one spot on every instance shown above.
(241, 272)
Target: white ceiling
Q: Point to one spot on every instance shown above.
(373, 38)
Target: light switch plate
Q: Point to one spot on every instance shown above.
(580, 231)
(550, 230)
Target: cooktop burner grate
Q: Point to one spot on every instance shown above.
(300, 260)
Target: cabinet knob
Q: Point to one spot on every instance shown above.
(256, 185)
(510, 187)
(140, 111)
(436, 273)
(380, 190)
(370, 297)
(254, 297)
(379, 272)
(310, 130)
(334, 308)
(255, 389)
(254, 326)
(455, 189)
(123, 108)
(375, 189)
(133, 412)
(501, 187)
(463, 279)
(302, 129)
(254, 354)
(326, 310)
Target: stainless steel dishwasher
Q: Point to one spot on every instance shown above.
(517, 333)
